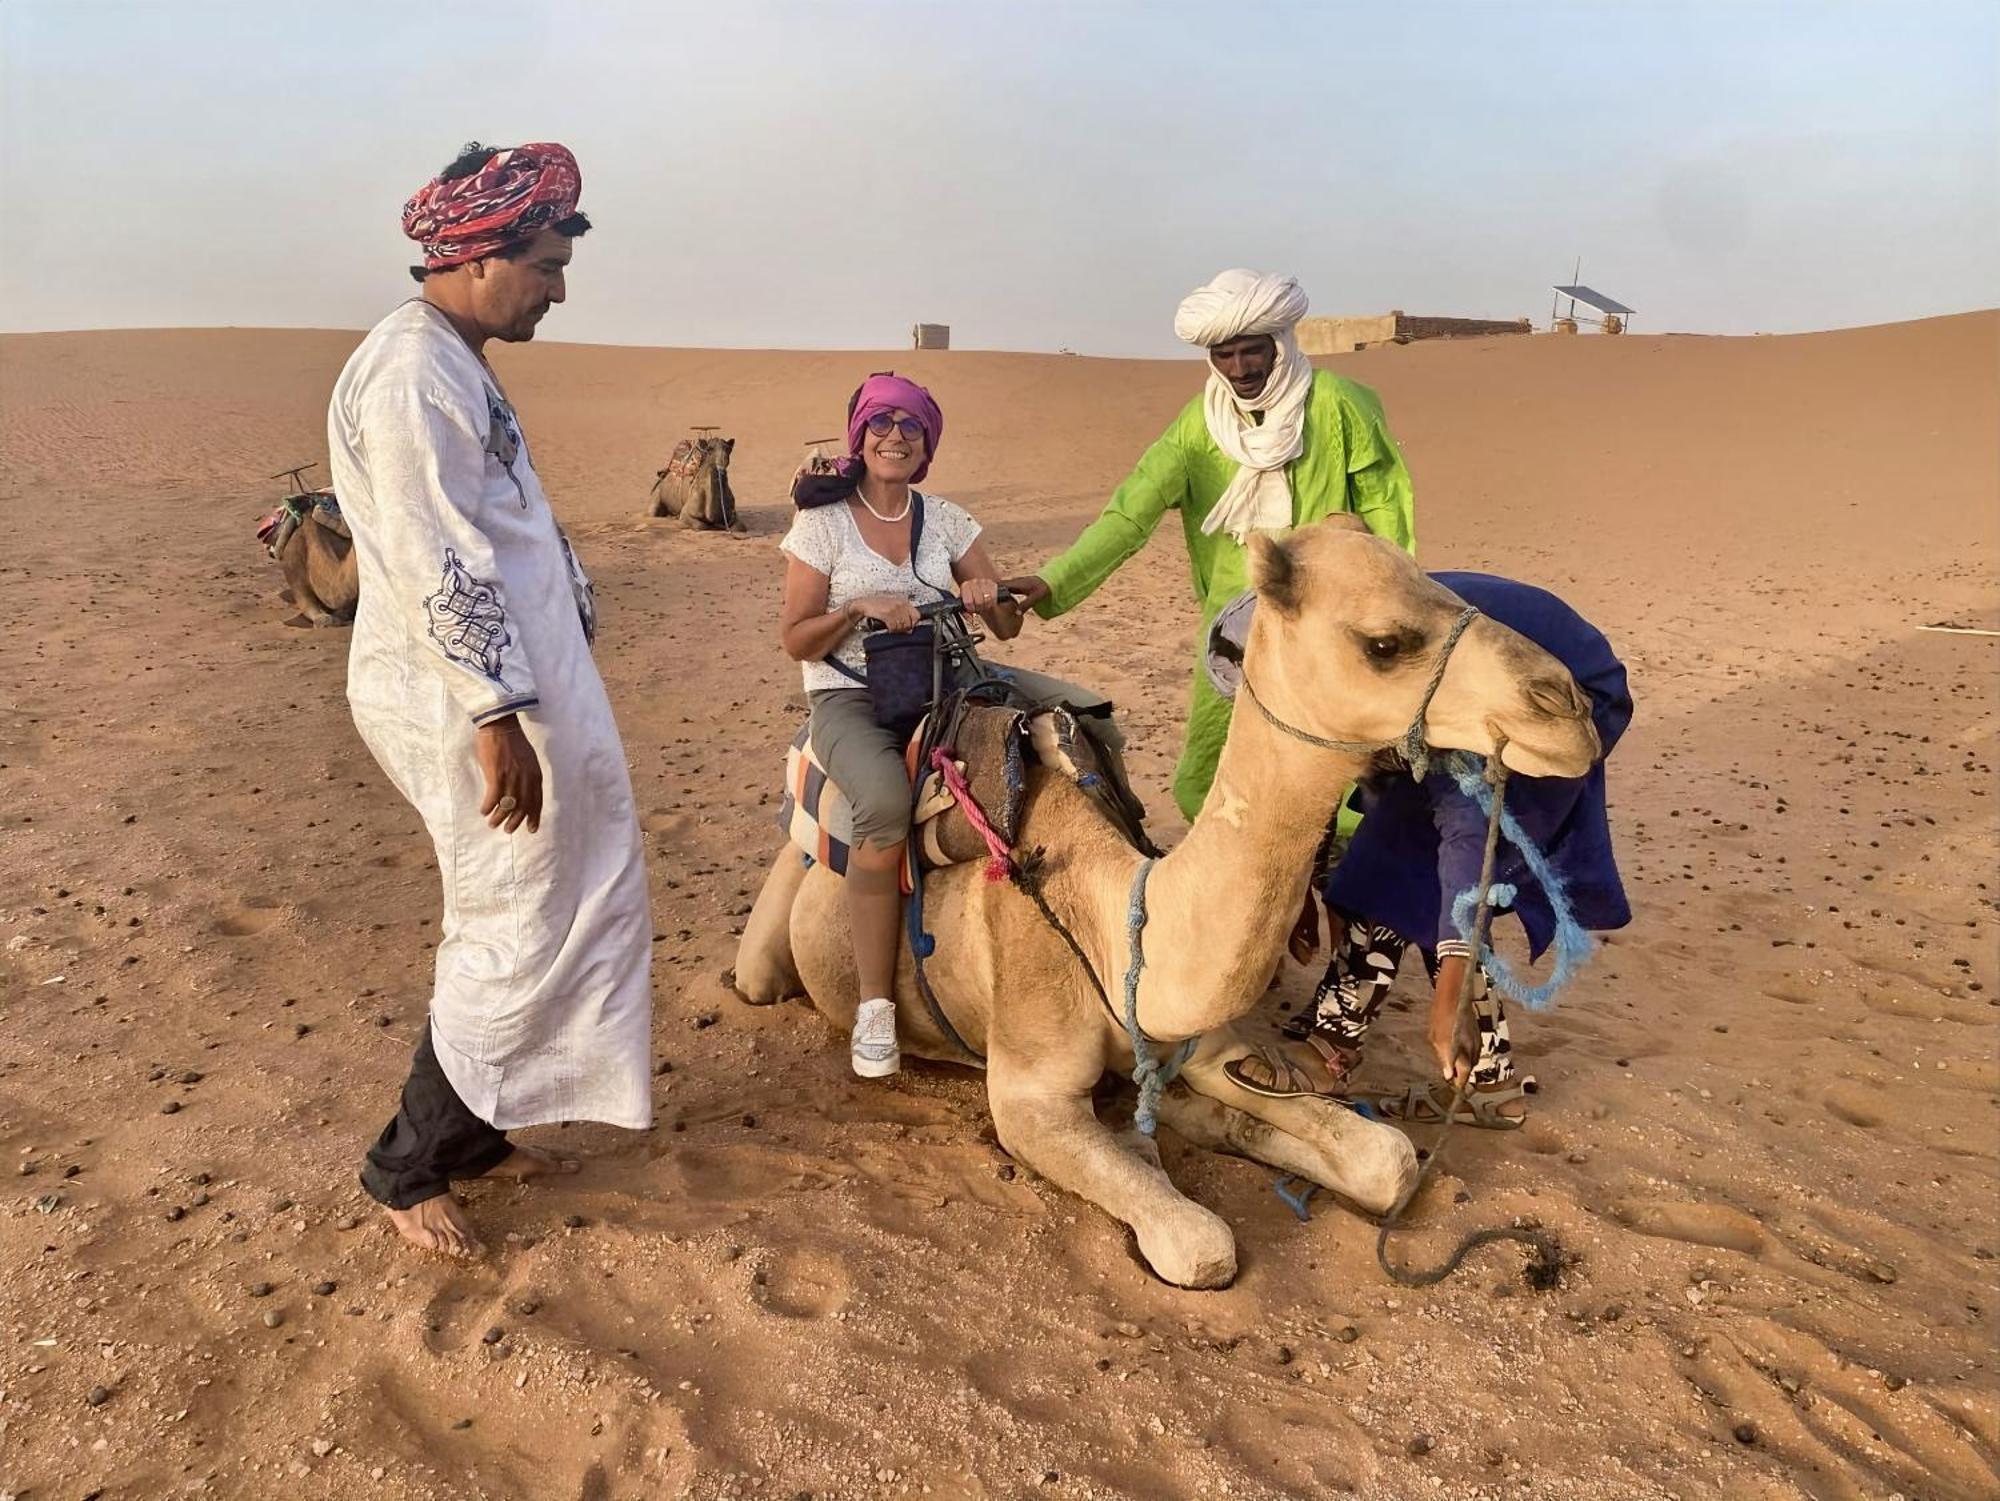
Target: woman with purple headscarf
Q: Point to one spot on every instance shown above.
(866, 544)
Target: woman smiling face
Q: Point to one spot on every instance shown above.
(897, 452)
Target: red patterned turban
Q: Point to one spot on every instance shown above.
(516, 192)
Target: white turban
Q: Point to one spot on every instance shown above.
(1236, 303)
(1239, 303)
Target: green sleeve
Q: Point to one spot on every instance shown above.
(1155, 486)
(1377, 482)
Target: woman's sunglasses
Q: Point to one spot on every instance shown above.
(909, 427)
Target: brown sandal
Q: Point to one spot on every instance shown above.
(1426, 1104)
(1270, 1071)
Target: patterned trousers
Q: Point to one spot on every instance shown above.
(1357, 981)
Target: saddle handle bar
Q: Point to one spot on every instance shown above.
(950, 605)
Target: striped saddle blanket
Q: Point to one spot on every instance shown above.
(995, 746)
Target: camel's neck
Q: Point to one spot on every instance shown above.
(1221, 905)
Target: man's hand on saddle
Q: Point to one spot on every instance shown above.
(895, 612)
(1454, 1030)
(513, 776)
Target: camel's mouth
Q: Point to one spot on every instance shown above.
(1570, 754)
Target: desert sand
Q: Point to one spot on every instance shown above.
(1766, 1127)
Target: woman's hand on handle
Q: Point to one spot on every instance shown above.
(895, 612)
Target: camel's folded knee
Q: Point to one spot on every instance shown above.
(1375, 1166)
(1366, 1161)
(766, 971)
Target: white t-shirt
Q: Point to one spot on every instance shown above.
(826, 539)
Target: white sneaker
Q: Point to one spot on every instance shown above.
(872, 1047)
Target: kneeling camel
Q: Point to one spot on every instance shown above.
(1340, 654)
(321, 571)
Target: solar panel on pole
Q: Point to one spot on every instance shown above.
(1592, 298)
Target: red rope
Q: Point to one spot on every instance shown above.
(1000, 859)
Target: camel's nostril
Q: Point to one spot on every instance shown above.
(1559, 698)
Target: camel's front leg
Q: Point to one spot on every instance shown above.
(295, 562)
(1320, 1139)
(1059, 1136)
(766, 972)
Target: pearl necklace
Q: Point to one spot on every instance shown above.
(909, 496)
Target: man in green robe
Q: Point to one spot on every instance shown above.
(1270, 444)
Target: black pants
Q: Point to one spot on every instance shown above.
(432, 1140)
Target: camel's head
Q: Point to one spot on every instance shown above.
(1347, 633)
(720, 449)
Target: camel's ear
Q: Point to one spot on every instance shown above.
(1275, 572)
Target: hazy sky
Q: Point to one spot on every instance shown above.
(1036, 174)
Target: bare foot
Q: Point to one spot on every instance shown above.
(530, 1162)
(437, 1224)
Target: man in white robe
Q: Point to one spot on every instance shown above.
(471, 681)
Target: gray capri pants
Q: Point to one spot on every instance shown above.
(866, 762)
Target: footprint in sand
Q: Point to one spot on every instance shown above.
(673, 827)
(1794, 994)
(1923, 1006)
(1698, 1224)
(1818, 1412)
(1856, 1105)
(875, 1107)
(1538, 1136)
(252, 915)
(805, 1285)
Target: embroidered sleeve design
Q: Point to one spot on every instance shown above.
(580, 586)
(503, 440)
(467, 620)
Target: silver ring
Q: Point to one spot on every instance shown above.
(507, 804)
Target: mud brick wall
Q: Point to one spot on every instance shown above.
(1408, 327)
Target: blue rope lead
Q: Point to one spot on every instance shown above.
(1572, 945)
(1149, 1071)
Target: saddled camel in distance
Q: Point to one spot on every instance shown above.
(1341, 646)
(695, 486)
(321, 571)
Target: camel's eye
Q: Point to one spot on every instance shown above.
(1384, 648)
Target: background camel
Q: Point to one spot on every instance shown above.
(321, 571)
(695, 485)
(1344, 640)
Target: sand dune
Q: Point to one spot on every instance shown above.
(1767, 1123)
